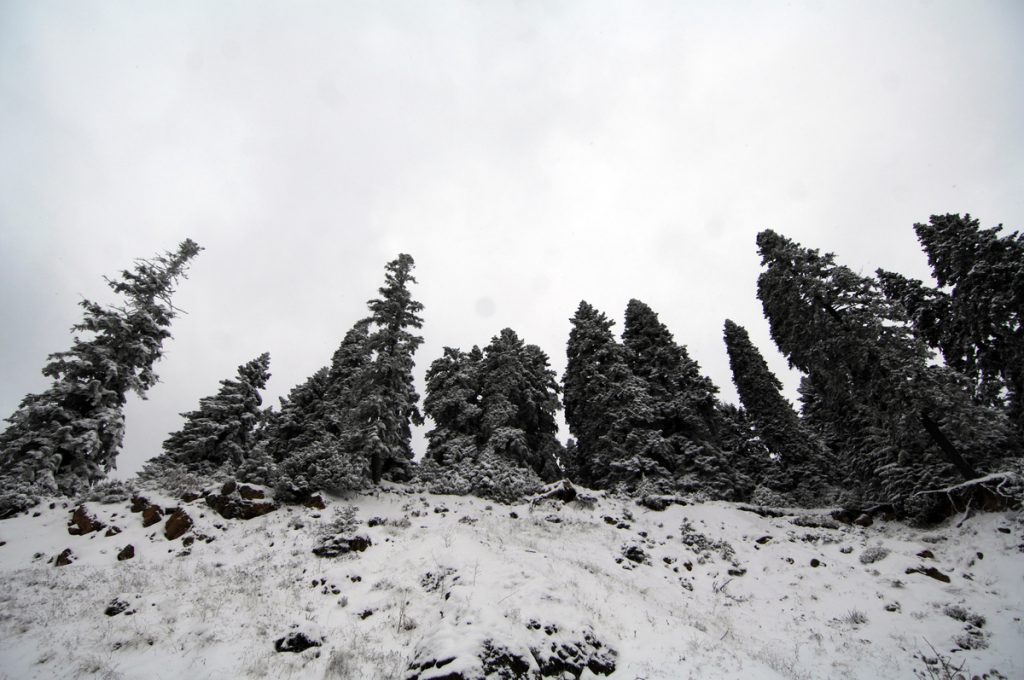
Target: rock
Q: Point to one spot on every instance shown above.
(514, 515)
(740, 571)
(339, 545)
(228, 488)
(562, 491)
(188, 541)
(375, 521)
(763, 540)
(844, 515)
(139, 503)
(65, 558)
(554, 519)
(295, 642)
(502, 662)
(661, 502)
(151, 515)
(190, 496)
(926, 555)
(929, 571)
(82, 522)
(815, 522)
(863, 520)
(177, 524)
(126, 553)
(113, 531)
(116, 606)
(314, 501)
(231, 507)
(250, 494)
(815, 562)
(635, 553)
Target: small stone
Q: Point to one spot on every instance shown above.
(815, 562)
(112, 531)
(926, 555)
(126, 553)
(65, 558)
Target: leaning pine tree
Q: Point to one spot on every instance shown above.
(68, 437)
(798, 456)
(220, 434)
(903, 427)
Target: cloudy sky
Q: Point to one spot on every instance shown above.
(527, 154)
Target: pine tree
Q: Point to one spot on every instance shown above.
(387, 395)
(981, 325)
(904, 425)
(798, 455)
(317, 438)
(519, 399)
(220, 434)
(453, 403)
(68, 436)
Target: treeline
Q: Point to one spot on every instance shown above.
(907, 388)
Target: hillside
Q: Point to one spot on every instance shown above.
(449, 587)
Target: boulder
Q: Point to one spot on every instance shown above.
(83, 522)
(177, 524)
(236, 507)
(151, 514)
(315, 501)
(65, 558)
(340, 545)
(250, 494)
(295, 642)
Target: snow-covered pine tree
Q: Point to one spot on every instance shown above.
(983, 273)
(519, 399)
(609, 410)
(387, 396)
(453, 404)
(68, 436)
(317, 438)
(799, 457)
(220, 434)
(904, 425)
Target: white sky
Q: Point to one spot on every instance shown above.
(527, 154)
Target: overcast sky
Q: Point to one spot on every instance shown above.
(527, 154)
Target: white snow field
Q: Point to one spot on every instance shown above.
(458, 587)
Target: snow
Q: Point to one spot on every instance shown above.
(435, 585)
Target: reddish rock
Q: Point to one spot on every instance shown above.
(151, 515)
(113, 531)
(177, 524)
(65, 558)
(190, 496)
(314, 501)
(139, 503)
(126, 553)
(250, 494)
(230, 507)
(84, 523)
(228, 488)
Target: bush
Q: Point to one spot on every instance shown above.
(109, 491)
(488, 476)
(873, 554)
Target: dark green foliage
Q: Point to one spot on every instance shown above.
(799, 459)
(387, 397)
(221, 433)
(976, 316)
(68, 437)
(498, 404)
(901, 424)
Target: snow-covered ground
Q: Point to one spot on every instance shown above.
(450, 580)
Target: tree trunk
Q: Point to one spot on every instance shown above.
(949, 452)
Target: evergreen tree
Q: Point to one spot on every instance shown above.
(799, 456)
(453, 402)
(982, 314)
(317, 439)
(220, 434)
(387, 396)
(68, 436)
(519, 399)
(903, 424)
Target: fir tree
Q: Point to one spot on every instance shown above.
(453, 403)
(387, 396)
(519, 399)
(984, 311)
(68, 436)
(904, 425)
(220, 434)
(799, 456)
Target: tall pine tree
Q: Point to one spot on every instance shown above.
(904, 425)
(799, 461)
(68, 436)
